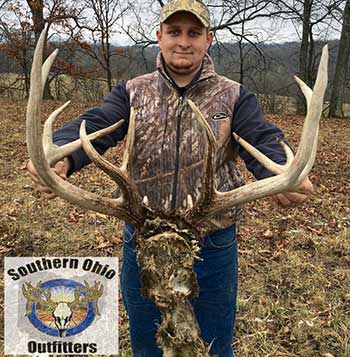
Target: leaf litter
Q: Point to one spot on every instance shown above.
(294, 264)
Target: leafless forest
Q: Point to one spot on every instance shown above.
(260, 43)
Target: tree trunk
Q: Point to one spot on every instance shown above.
(108, 61)
(241, 62)
(26, 72)
(37, 10)
(337, 98)
(309, 75)
(304, 50)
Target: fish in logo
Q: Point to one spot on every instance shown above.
(62, 307)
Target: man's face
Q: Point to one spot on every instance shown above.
(183, 41)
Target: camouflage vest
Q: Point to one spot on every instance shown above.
(169, 143)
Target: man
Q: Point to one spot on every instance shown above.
(167, 161)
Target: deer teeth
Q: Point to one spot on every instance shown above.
(189, 201)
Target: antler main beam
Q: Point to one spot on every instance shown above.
(44, 154)
(288, 177)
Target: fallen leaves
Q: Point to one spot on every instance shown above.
(294, 262)
(268, 234)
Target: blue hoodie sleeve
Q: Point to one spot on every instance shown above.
(250, 124)
(116, 106)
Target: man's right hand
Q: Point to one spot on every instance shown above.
(61, 168)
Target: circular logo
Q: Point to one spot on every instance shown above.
(62, 307)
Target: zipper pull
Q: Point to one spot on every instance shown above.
(179, 108)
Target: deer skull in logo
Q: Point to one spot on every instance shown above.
(61, 311)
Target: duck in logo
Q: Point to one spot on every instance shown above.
(62, 307)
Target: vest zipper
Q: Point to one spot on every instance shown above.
(177, 153)
(178, 136)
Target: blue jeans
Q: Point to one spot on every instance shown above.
(215, 307)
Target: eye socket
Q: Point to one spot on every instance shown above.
(173, 32)
(195, 33)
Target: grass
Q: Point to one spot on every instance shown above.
(294, 297)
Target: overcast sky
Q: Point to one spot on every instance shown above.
(261, 30)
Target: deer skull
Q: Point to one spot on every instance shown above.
(167, 244)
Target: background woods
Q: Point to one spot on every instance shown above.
(104, 41)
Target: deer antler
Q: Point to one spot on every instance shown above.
(93, 294)
(34, 294)
(43, 153)
(288, 176)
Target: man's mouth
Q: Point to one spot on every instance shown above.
(183, 53)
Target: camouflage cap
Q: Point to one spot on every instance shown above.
(196, 7)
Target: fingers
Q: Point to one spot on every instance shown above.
(300, 195)
(281, 200)
(288, 199)
(306, 187)
(34, 176)
(60, 169)
(295, 197)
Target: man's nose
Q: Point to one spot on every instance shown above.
(184, 41)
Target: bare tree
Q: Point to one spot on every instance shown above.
(58, 11)
(98, 25)
(342, 66)
(3, 3)
(17, 41)
(21, 25)
(235, 18)
(312, 15)
(37, 10)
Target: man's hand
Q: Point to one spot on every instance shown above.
(61, 168)
(299, 196)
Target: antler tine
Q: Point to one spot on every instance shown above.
(314, 100)
(71, 193)
(263, 159)
(307, 91)
(295, 171)
(131, 198)
(129, 143)
(45, 70)
(266, 161)
(208, 178)
(53, 152)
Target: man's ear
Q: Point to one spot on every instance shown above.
(159, 34)
(210, 36)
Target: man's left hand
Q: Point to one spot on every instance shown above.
(292, 198)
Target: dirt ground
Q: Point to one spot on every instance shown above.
(294, 297)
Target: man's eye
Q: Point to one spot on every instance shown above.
(195, 34)
(173, 33)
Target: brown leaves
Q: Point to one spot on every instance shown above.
(268, 234)
(294, 263)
